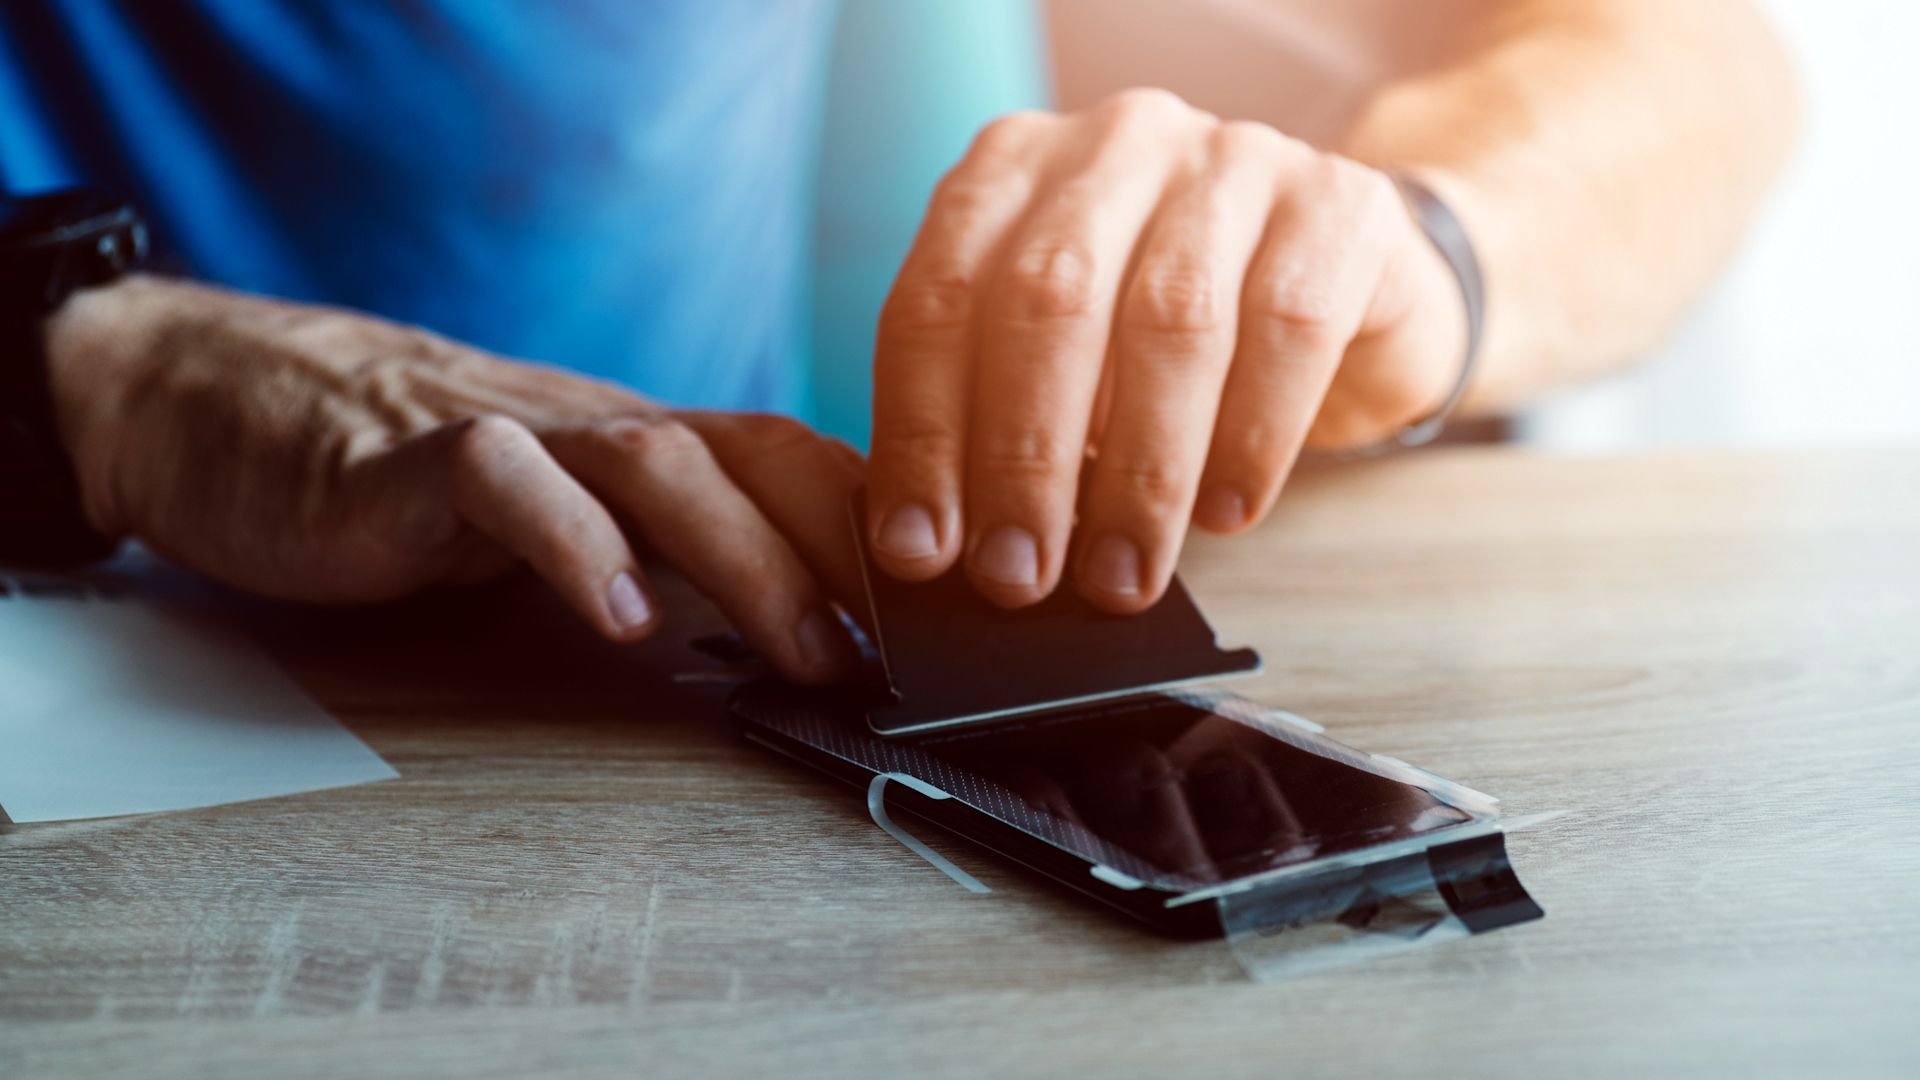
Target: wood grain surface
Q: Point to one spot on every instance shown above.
(1711, 662)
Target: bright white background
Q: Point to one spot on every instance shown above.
(1813, 338)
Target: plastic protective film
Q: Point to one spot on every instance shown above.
(1350, 907)
(1354, 913)
(1206, 813)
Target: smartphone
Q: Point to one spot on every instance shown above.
(1167, 805)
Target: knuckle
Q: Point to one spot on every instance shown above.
(774, 435)
(929, 303)
(485, 441)
(1173, 299)
(1149, 104)
(959, 207)
(1292, 305)
(1353, 179)
(966, 198)
(1250, 139)
(1007, 134)
(652, 439)
(1047, 282)
(775, 429)
(1151, 481)
(1359, 189)
(1031, 454)
(1079, 195)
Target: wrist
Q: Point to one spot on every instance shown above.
(95, 344)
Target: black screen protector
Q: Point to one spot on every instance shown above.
(1052, 654)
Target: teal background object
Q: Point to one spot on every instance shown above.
(910, 83)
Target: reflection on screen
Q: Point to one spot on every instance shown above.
(1192, 792)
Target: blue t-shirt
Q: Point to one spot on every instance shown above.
(623, 187)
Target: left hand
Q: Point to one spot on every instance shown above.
(1173, 304)
(323, 455)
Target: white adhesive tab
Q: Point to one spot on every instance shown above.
(877, 807)
(1115, 878)
(1296, 720)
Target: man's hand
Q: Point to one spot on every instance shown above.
(320, 455)
(1173, 305)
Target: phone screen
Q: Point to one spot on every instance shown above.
(1191, 792)
(1181, 789)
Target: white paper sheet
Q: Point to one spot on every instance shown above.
(115, 703)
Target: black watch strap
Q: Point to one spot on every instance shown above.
(52, 246)
(41, 519)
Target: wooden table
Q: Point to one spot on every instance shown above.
(1712, 662)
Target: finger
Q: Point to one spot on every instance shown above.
(1043, 345)
(801, 480)
(922, 356)
(1174, 335)
(1309, 287)
(490, 474)
(659, 475)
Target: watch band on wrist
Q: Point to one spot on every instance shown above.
(1449, 237)
(51, 246)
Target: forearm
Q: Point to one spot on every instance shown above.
(1605, 155)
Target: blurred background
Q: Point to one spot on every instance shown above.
(1811, 338)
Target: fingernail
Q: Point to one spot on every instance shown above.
(908, 533)
(821, 641)
(627, 603)
(1008, 556)
(1113, 565)
(1221, 510)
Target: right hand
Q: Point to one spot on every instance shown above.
(319, 455)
